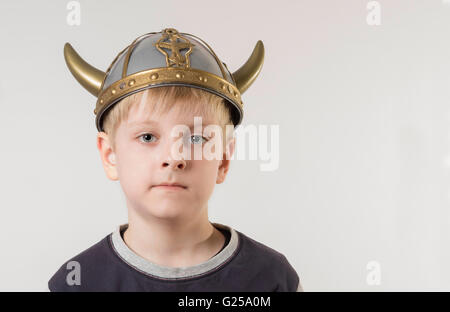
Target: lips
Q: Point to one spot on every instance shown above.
(171, 185)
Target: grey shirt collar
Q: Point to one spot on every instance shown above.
(145, 266)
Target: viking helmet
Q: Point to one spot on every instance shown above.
(165, 58)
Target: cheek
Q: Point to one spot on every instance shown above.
(205, 173)
(134, 169)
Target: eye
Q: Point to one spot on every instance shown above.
(196, 140)
(146, 137)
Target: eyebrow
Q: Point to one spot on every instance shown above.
(146, 122)
(152, 122)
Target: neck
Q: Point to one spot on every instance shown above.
(173, 242)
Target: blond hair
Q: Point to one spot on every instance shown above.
(160, 100)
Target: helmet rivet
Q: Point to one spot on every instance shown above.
(132, 81)
(122, 85)
(154, 76)
(222, 86)
(205, 79)
(95, 111)
(101, 101)
(113, 91)
(200, 78)
(179, 75)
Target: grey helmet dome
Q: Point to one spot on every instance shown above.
(165, 58)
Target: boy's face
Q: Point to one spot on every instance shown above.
(143, 159)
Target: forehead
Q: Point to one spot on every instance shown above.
(181, 112)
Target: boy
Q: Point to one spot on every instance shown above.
(162, 85)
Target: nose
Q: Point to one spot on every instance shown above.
(174, 162)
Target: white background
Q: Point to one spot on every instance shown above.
(364, 125)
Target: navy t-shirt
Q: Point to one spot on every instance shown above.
(242, 264)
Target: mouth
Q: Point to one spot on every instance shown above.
(170, 186)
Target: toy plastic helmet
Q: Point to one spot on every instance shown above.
(165, 58)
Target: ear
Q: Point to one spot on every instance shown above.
(107, 156)
(226, 160)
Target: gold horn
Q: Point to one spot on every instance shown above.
(88, 76)
(248, 72)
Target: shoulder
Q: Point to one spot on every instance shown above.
(272, 263)
(85, 265)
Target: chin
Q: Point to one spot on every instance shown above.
(164, 211)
